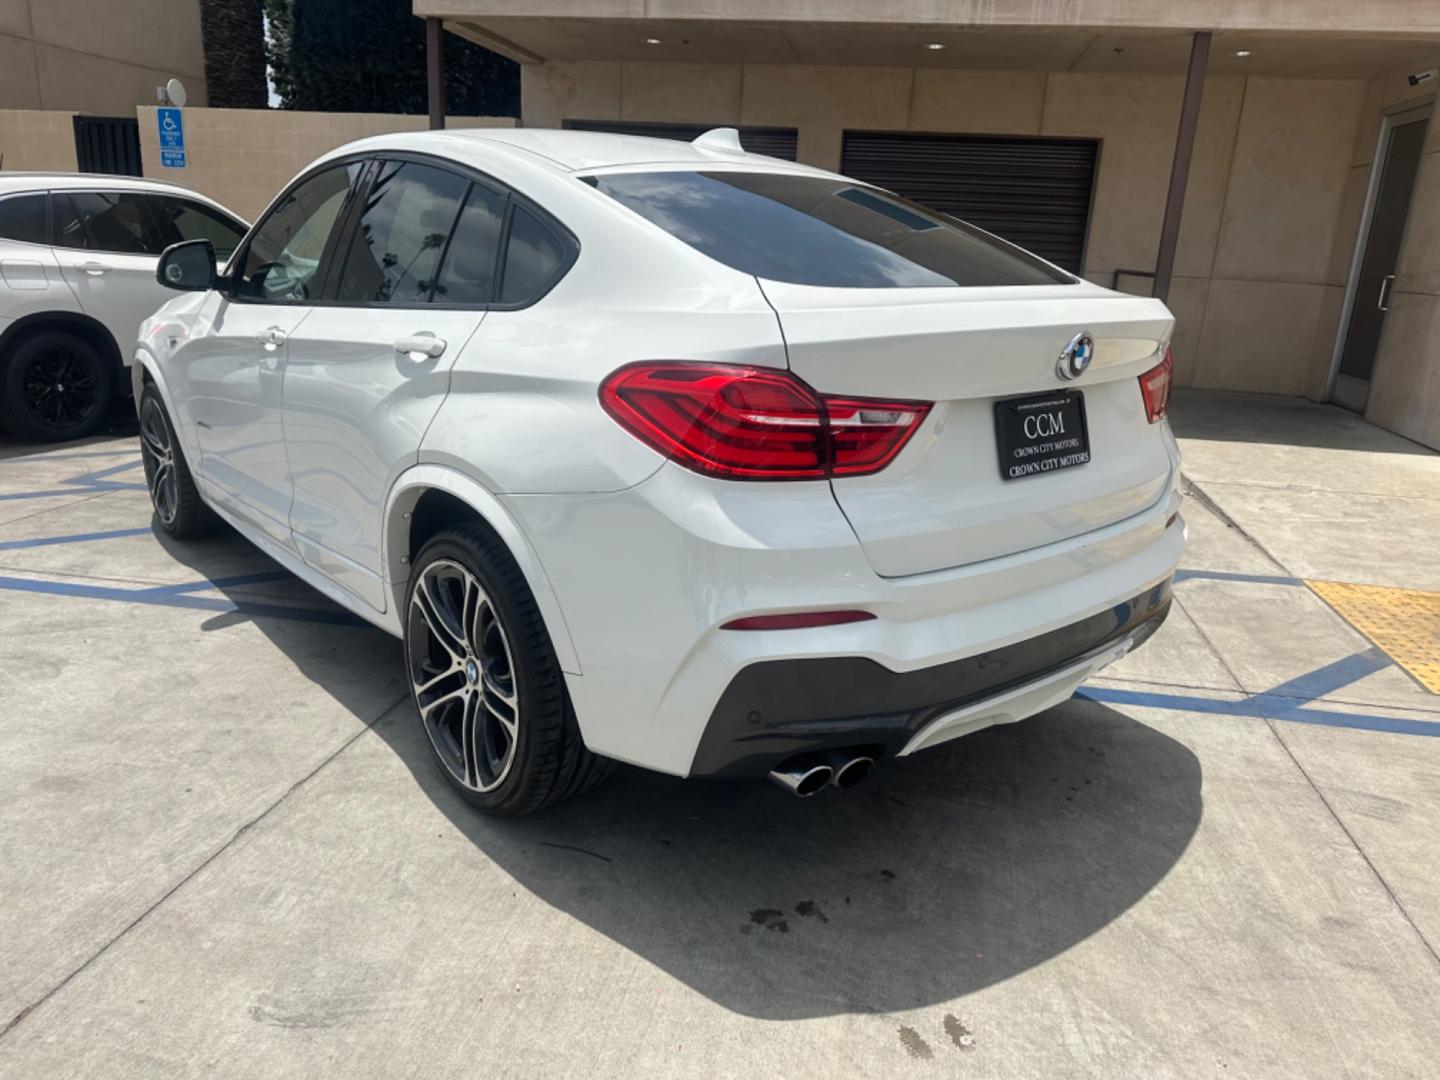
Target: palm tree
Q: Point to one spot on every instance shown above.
(233, 33)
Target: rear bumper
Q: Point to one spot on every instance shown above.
(778, 709)
(648, 576)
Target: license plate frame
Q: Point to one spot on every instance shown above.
(1026, 437)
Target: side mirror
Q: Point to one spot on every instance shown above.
(188, 266)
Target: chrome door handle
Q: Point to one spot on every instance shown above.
(420, 345)
(1383, 300)
(94, 269)
(272, 337)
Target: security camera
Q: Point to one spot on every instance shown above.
(1422, 77)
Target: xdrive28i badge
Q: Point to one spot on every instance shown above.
(1076, 356)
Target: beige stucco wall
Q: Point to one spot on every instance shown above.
(100, 58)
(243, 157)
(1405, 386)
(36, 140)
(1253, 287)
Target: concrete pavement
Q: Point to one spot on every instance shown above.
(224, 850)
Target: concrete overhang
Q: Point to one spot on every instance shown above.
(1293, 38)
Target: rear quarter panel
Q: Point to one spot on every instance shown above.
(523, 413)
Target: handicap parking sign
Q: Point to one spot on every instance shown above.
(172, 138)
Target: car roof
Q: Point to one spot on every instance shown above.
(70, 181)
(577, 151)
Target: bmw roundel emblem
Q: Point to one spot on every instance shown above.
(1076, 356)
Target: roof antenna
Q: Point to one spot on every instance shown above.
(725, 140)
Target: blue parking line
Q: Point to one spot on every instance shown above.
(73, 538)
(1325, 680)
(90, 483)
(205, 584)
(101, 474)
(1291, 700)
(172, 598)
(78, 489)
(1227, 575)
(71, 454)
(1261, 707)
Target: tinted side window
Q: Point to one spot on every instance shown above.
(282, 261)
(22, 217)
(533, 259)
(185, 219)
(813, 230)
(115, 221)
(468, 273)
(401, 233)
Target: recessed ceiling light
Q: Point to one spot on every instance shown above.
(935, 45)
(652, 41)
(1243, 52)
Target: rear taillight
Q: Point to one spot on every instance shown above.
(1155, 388)
(747, 423)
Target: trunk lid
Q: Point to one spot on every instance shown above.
(943, 502)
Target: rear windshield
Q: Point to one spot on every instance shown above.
(812, 230)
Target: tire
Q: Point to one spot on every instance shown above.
(54, 385)
(476, 651)
(179, 510)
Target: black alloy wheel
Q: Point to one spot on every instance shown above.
(57, 386)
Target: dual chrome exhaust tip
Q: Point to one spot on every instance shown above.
(805, 776)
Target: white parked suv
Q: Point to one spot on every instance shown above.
(671, 454)
(77, 277)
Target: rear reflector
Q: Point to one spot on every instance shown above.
(1155, 388)
(799, 620)
(748, 423)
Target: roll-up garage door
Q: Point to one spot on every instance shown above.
(777, 142)
(1033, 192)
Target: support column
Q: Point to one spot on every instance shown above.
(1180, 169)
(435, 71)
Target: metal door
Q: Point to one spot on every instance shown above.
(1401, 144)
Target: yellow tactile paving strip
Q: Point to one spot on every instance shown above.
(1403, 622)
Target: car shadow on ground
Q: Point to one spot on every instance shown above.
(119, 422)
(1236, 417)
(943, 873)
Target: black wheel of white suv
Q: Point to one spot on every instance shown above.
(54, 385)
(178, 507)
(485, 681)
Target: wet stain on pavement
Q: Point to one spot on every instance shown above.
(770, 919)
(915, 1044)
(959, 1034)
(808, 909)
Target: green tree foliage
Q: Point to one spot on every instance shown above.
(369, 56)
(234, 54)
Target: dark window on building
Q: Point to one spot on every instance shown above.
(468, 273)
(813, 230)
(114, 221)
(534, 258)
(398, 241)
(22, 217)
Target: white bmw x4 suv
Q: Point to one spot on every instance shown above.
(671, 454)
